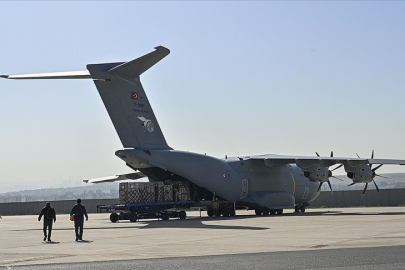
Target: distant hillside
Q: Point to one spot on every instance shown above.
(394, 180)
(96, 191)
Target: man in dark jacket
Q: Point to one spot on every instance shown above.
(79, 212)
(49, 215)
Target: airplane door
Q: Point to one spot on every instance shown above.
(245, 188)
(306, 191)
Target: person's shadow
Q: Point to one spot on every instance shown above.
(51, 242)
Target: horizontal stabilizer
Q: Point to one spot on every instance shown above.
(141, 64)
(54, 75)
(129, 176)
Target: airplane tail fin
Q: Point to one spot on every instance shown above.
(124, 98)
(126, 102)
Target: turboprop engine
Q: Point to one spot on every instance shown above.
(363, 173)
(360, 174)
(318, 171)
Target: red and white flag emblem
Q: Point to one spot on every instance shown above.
(134, 95)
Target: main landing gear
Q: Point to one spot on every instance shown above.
(300, 208)
(266, 212)
(226, 209)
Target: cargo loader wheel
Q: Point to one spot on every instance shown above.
(182, 215)
(114, 217)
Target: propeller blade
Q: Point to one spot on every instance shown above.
(381, 176)
(372, 156)
(376, 168)
(319, 188)
(317, 154)
(358, 155)
(330, 186)
(378, 190)
(364, 191)
(331, 153)
(351, 184)
(337, 167)
(337, 178)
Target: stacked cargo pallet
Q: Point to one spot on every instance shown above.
(168, 191)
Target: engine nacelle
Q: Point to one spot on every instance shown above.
(359, 174)
(317, 173)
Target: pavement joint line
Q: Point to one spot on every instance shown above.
(34, 259)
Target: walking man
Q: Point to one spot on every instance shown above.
(215, 207)
(49, 216)
(79, 212)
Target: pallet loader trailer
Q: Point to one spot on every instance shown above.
(160, 210)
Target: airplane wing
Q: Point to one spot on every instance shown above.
(129, 176)
(307, 161)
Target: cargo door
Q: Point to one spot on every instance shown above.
(245, 188)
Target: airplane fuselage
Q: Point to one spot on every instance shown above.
(234, 179)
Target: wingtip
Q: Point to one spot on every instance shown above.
(86, 180)
(4, 76)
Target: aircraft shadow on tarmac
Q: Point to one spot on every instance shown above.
(341, 213)
(206, 222)
(191, 223)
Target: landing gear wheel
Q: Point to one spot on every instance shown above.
(258, 212)
(272, 212)
(302, 209)
(279, 212)
(164, 217)
(266, 212)
(210, 212)
(297, 209)
(114, 217)
(182, 215)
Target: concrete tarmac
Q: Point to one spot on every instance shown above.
(317, 230)
(375, 258)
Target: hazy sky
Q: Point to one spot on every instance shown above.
(243, 78)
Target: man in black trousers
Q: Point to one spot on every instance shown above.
(79, 212)
(49, 216)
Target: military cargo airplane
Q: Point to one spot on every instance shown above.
(264, 183)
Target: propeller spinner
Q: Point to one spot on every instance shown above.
(329, 174)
